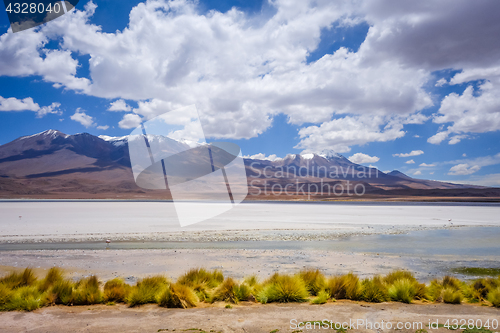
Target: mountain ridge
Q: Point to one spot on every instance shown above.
(52, 163)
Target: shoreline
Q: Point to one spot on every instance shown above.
(233, 235)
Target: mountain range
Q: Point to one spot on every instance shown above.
(54, 165)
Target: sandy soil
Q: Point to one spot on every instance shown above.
(246, 317)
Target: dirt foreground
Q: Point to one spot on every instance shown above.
(245, 317)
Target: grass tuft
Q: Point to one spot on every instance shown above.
(54, 275)
(200, 276)
(177, 296)
(344, 287)
(15, 280)
(6, 295)
(283, 289)
(321, 298)
(87, 292)
(452, 295)
(402, 290)
(374, 290)
(61, 292)
(26, 298)
(145, 290)
(494, 297)
(314, 280)
(116, 290)
(399, 275)
(227, 292)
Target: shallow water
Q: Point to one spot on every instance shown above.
(468, 241)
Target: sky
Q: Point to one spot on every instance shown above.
(406, 85)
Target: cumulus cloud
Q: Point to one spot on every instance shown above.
(103, 127)
(410, 162)
(119, 105)
(469, 113)
(27, 104)
(360, 158)
(340, 134)
(14, 104)
(441, 82)
(242, 70)
(427, 165)
(463, 169)
(130, 120)
(52, 108)
(417, 173)
(81, 117)
(412, 153)
(261, 156)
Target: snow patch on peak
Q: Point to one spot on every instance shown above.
(307, 156)
(48, 133)
(290, 156)
(328, 153)
(112, 138)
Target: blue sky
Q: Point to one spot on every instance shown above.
(407, 86)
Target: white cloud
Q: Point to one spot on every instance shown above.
(469, 112)
(416, 136)
(340, 134)
(437, 138)
(412, 153)
(417, 173)
(481, 161)
(463, 169)
(464, 155)
(119, 105)
(456, 139)
(241, 70)
(410, 162)
(441, 82)
(239, 74)
(103, 127)
(427, 165)
(81, 117)
(130, 120)
(14, 104)
(261, 156)
(52, 108)
(27, 104)
(360, 158)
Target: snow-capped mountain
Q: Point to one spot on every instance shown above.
(55, 164)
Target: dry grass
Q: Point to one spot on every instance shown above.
(315, 280)
(374, 290)
(177, 296)
(200, 276)
(16, 280)
(116, 290)
(283, 289)
(226, 292)
(402, 290)
(494, 297)
(22, 290)
(87, 292)
(146, 290)
(344, 287)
